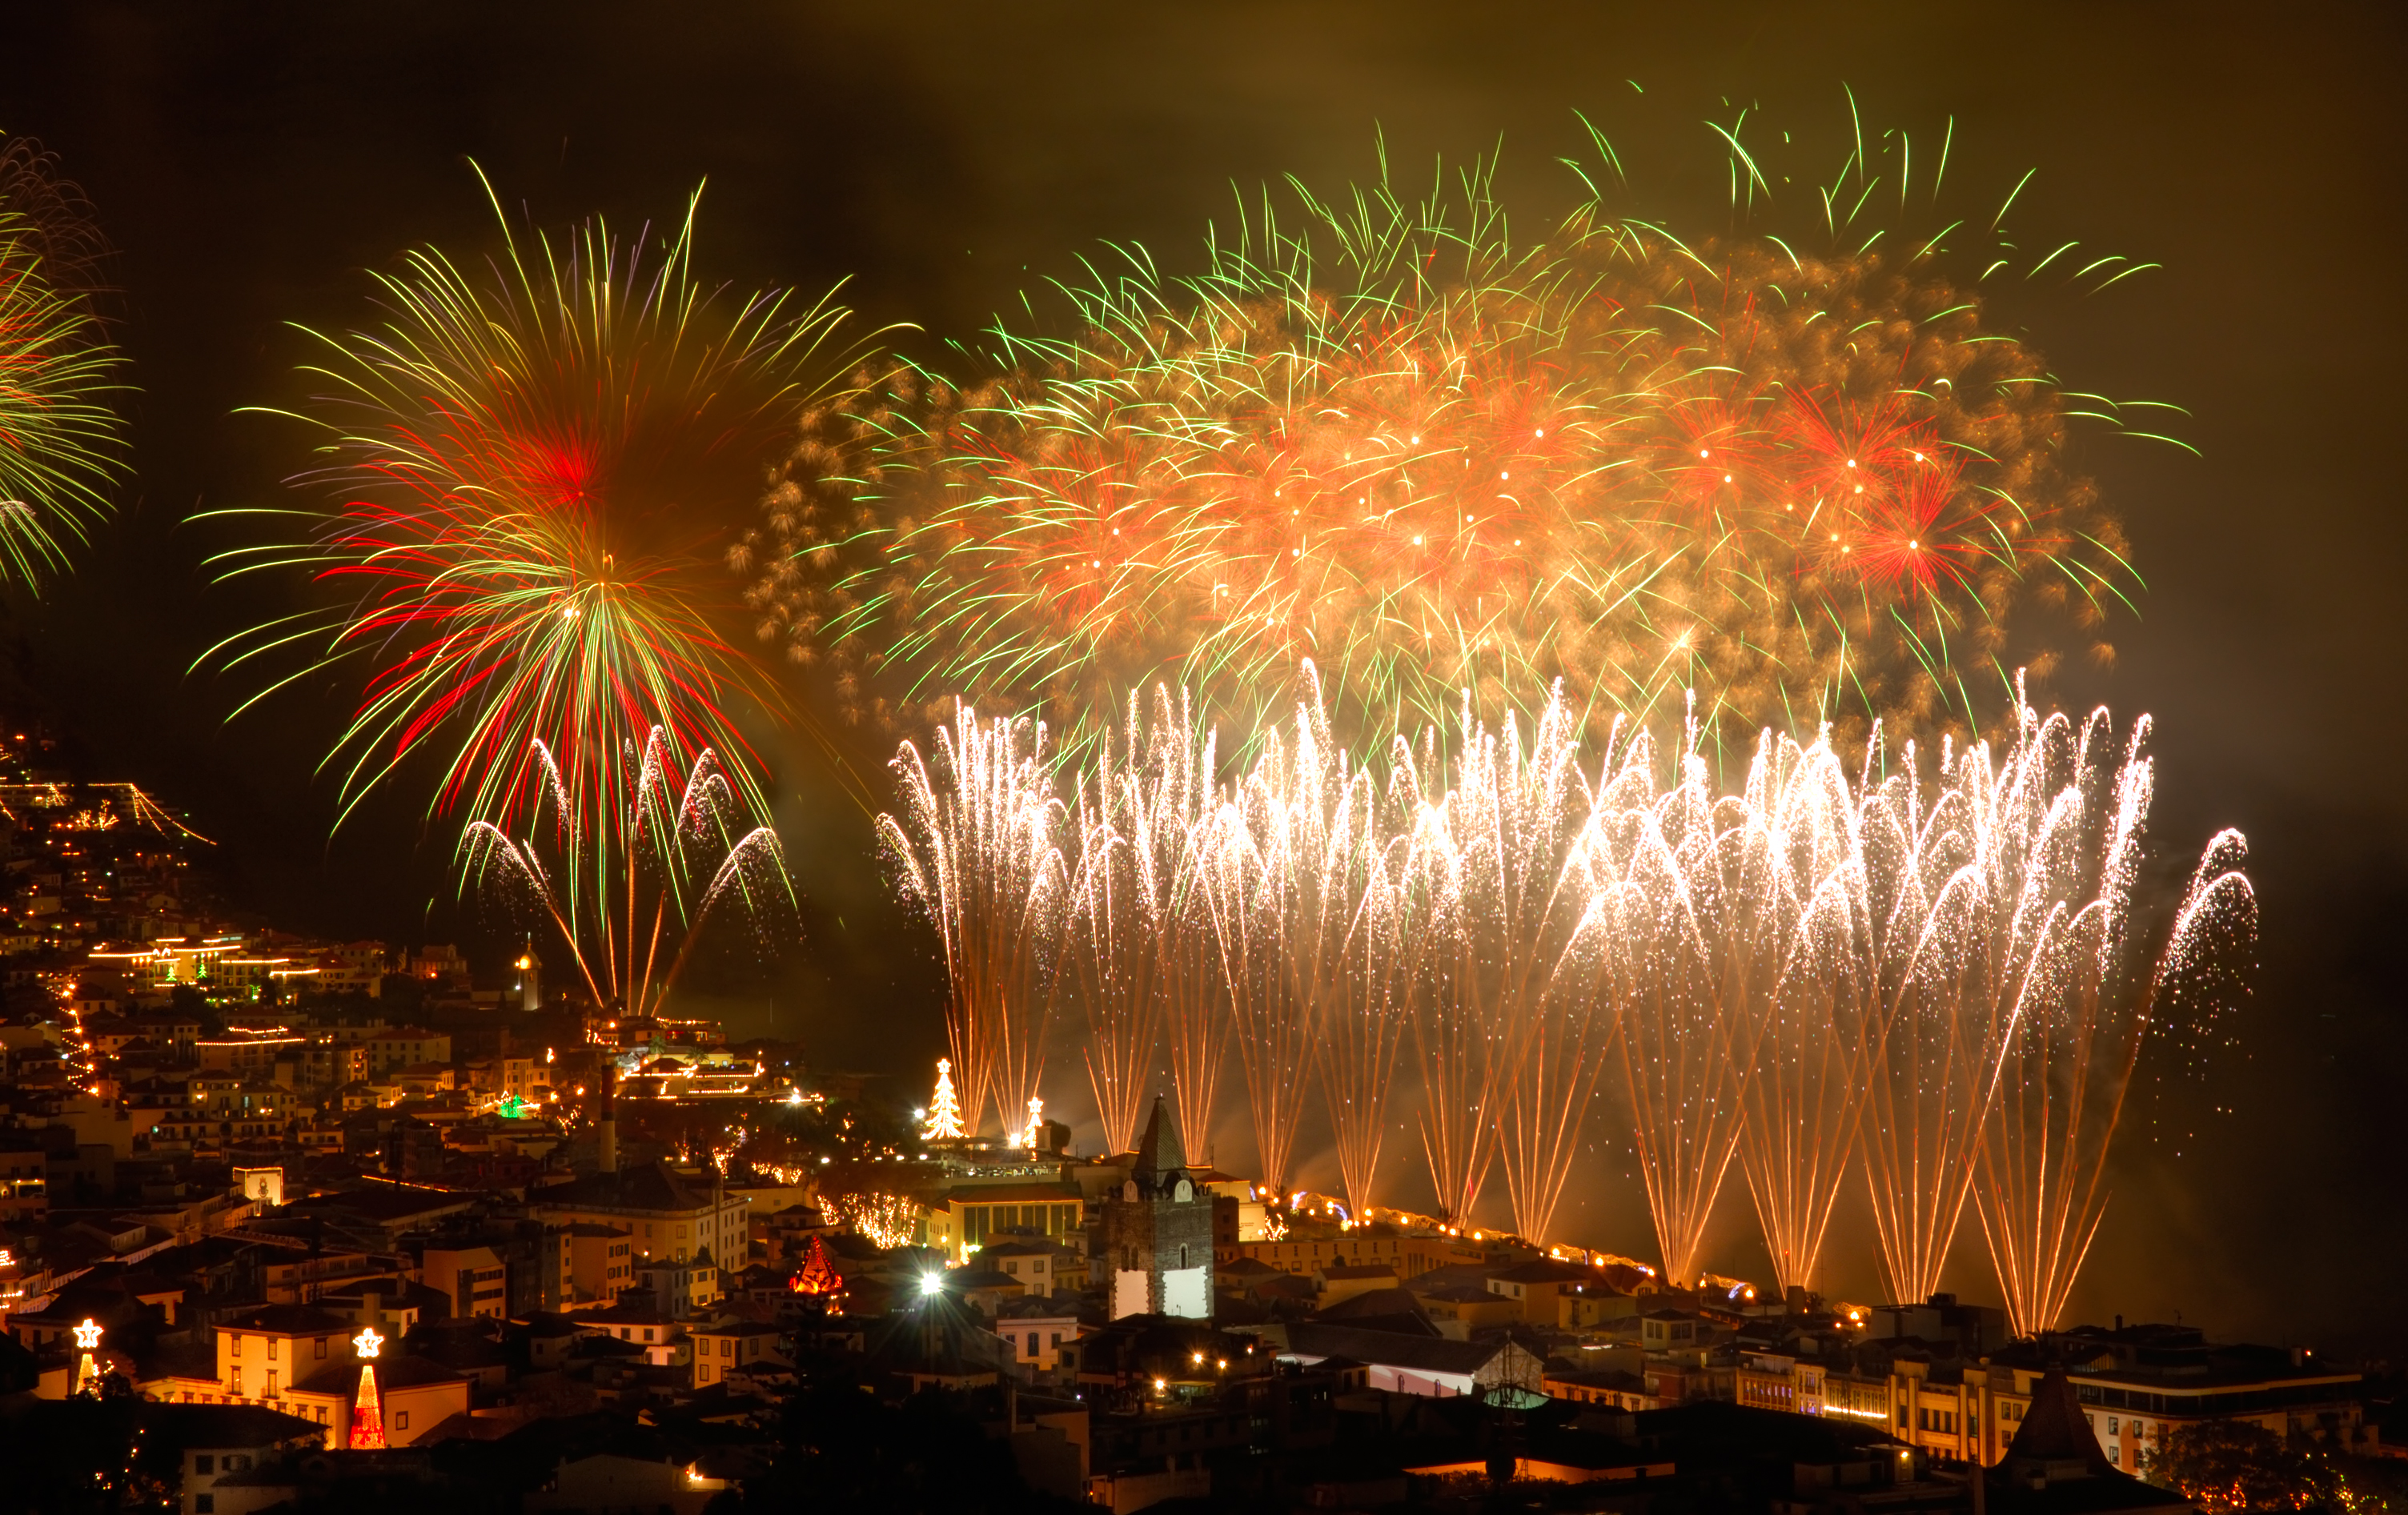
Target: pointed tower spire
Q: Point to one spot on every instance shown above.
(1158, 1150)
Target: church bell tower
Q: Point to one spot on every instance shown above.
(1158, 1231)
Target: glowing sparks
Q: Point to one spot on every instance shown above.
(976, 849)
(1143, 965)
(62, 448)
(1928, 949)
(1500, 463)
(535, 470)
(631, 892)
(2083, 1005)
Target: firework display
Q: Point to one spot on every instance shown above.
(1532, 970)
(2083, 1005)
(631, 901)
(1828, 857)
(976, 848)
(58, 370)
(1384, 434)
(534, 473)
(1271, 1022)
(1336, 925)
(1144, 954)
(1940, 957)
(1370, 629)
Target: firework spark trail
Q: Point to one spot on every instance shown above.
(1511, 1045)
(1251, 896)
(1949, 943)
(1140, 937)
(2017, 1014)
(536, 467)
(976, 847)
(1313, 813)
(1964, 895)
(57, 369)
(1196, 1016)
(1335, 917)
(1815, 1051)
(1197, 1021)
(1111, 941)
(1386, 435)
(2079, 1029)
(671, 856)
(1690, 953)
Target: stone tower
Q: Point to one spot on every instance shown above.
(530, 979)
(1158, 1231)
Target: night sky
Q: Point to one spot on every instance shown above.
(249, 161)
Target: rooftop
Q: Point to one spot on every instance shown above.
(644, 1187)
(288, 1321)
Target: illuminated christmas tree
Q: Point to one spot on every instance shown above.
(367, 1421)
(944, 1110)
(1028, 1138)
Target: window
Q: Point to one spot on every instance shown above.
(2112, 1425)
(204, 1504)
(238, 1462)
(271, 1390)
(726, 1348)
(271, 1349)
(236, 1349)
(401, 1420)
(236, 1384)
(1057, 1339)
(322, 1348)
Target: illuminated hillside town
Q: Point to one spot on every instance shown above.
(1400, 760)
(353, 1213)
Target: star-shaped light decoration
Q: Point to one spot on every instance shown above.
(87, 1334)
(367, 1343)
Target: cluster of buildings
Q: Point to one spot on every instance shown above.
(1079, 1267)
